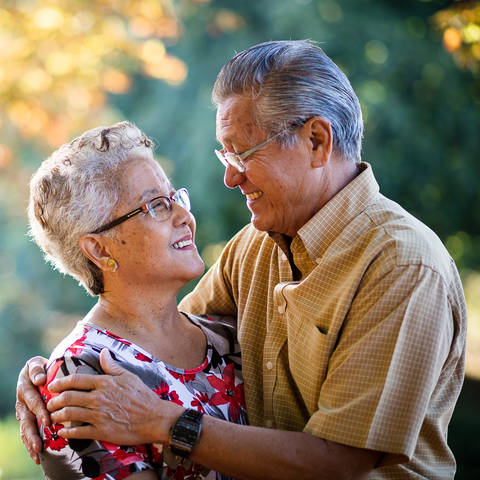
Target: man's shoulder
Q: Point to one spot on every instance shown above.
(407, 240)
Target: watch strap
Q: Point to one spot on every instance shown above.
(185, 433)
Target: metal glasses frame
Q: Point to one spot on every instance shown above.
(237, 160)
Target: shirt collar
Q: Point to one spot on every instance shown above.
(319, 232)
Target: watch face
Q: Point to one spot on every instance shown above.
(186, 432)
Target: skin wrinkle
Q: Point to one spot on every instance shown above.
(286, 203)
(126, 401)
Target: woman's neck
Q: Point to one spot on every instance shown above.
(137, 316)
(158, 328)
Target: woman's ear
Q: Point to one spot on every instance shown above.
(320, 136)
(95, 250)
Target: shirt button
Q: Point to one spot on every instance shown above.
(318, 260)
(281, 309)
(268, 423)
(269, 365)
(283, 257)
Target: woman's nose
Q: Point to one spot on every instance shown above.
(181, 216)
(232, 177)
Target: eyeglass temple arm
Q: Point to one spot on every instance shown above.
(244, 155)
(119, 220)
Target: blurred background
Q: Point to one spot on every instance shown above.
(69, 65)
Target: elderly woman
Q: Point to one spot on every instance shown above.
(103, 211)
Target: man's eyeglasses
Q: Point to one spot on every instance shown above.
(238, 160)
(159, 208)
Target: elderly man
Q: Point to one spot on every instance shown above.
(351, 315)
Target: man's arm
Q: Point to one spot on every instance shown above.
(30, 406)
(237, 450)
(255, 452)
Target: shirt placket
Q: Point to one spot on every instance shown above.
(275, 338)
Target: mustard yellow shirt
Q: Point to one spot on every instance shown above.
(362, 342)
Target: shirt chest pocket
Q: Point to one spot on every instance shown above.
(311, 340)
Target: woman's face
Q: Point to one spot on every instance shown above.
(147, 250)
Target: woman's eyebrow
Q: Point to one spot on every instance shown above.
(147, 194)
(156, 192)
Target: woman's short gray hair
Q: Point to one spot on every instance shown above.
(291, 82)
(74, 192)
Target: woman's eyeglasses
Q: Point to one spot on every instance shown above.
(159, 208)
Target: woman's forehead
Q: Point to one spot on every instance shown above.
(144, 177)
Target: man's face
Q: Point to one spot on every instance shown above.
(278, 183)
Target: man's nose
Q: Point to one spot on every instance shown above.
(232, 177)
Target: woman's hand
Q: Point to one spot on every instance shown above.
(30, 406)
(117, 407)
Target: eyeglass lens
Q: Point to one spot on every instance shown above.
(228, 158)
(233, 159)
(181, 197)
(160, 208)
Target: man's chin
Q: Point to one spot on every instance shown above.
(260, 225)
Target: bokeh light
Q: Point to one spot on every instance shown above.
(59, 55)
(461, 32)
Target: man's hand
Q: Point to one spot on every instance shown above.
(30, 405)
(117, 407)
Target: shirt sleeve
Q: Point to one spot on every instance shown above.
(387, 363)
(88, 458)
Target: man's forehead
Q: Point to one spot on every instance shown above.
(235, 117)
(236, 104)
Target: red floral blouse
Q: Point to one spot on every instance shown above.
(214, 388)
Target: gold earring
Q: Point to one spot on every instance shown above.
(112, 263)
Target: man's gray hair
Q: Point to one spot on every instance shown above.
(292, 81)
(74, 192)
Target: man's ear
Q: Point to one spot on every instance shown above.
(94, 248)
(320, 136)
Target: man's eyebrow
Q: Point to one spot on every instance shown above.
(225, 142)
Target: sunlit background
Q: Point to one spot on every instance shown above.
(69, 65)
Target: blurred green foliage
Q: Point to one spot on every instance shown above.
(15, 462)
(422, 120)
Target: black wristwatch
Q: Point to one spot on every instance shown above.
(185, 433)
